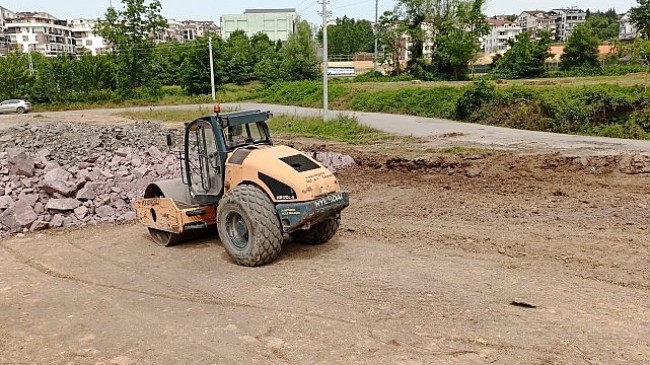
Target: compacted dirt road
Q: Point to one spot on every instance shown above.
(486, 259)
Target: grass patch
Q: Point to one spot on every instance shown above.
(340, 129)
(170, 115)
(459, 150)
(172, 95)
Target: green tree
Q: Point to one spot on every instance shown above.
(525, 59)
(238, 55)
(15, 78)
(349, 36)
(451, 28)
(261, 46)
(640, 17)
(129, 32)
(299, 61)
(604, 24)
(195, 68)
(168, 58)
(581, 50)
(390, 31)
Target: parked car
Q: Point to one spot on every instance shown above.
(15, 106)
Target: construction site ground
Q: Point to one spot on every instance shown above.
(458, 256)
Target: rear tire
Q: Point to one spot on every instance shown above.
(249, 226)
(20, 110)
(319, 233)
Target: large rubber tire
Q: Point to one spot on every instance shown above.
(249, 226)
(319, 233)
(20, 110)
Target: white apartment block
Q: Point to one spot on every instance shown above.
(627, 30)
(536, 21)
(566, 20)
(186, 30)
(501, 32)
(39, 32)
(85, 38)
(278, 24)
(4, 40)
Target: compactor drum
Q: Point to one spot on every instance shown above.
(235, 179)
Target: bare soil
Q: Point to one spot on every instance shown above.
(471, 258)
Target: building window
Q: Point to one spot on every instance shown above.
(25, 38)
(89, 42)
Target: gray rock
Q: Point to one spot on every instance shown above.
(67, 221)
(6, 202)
(26, 199)
(19, 162)
(140, 171)
(62, 204)
(8, 220)
(39, 226)
(88, 192)
(59, 181)
(81, 212)
(124, 152)
(57, 221)
(155, 153)
(24, 215)
(104, 211)
(39, 208)
(129, 216)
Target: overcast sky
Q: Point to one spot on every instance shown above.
(213, 9)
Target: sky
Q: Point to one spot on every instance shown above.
(308, 9)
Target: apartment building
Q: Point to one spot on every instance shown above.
(501, 31)
(4, 40)
(566, 20)
(278, 24)
(39, 32)
(627, 29)
(186, 30)
(536, 21)
(85, 38)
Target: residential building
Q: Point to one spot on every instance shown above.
(627, 30)
(186, 30)
(501, 32)
(40, 32)
(4, 40)
(85, 38)
(278, 24)
(566, 20)
(536, 21)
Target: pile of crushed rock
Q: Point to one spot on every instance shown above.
(60, 175)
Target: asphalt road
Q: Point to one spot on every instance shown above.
(437, 131)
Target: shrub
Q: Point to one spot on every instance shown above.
(474, 98)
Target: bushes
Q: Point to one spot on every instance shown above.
(439, 102)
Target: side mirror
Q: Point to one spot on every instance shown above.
(170, 140)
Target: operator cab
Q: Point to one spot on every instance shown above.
(209, 140)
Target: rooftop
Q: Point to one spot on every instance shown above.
(264, 11)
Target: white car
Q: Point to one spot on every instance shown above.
(15, 106)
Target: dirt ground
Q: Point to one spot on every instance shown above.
(427, 268)
(462, 256)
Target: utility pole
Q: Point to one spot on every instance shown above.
(30, 60)
(376, 33)
(214, 97)
(325, 63)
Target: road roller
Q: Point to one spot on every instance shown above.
(238, 186)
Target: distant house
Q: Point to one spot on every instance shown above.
(278, 24)
(501, 31)
(627, 30)
(566, 20)
(536, 21)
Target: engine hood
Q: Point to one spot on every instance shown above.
(286, 174)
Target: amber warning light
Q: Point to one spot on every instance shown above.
(217, 109)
